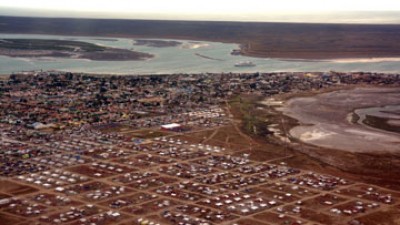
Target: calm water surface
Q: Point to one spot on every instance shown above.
(180, 59)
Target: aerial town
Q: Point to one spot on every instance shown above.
(81, 149)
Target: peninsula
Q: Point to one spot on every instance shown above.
(270, 40)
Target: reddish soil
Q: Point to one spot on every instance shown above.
(8, 220)
(15, 189)
(274, 218)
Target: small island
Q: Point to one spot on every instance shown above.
(157, 43)
(39, 48)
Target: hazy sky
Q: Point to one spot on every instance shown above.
(255, 10)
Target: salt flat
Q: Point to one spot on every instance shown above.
(324, 120)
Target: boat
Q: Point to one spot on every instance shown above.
(245, 64)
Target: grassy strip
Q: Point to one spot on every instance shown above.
(253, 122)
(56, 45)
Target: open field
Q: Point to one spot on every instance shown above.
(272, 40)
(15, 188)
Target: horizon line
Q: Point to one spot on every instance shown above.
(204, 20)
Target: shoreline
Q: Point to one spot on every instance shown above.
(258, 39)
(305, 56)
(300, 55)
(376, 167)
(344, 60)
(319, 130)
(107, 55)
(53, 48)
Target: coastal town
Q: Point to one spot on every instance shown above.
(82, 149)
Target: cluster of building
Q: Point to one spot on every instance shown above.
(152, 183)
(47, 100)
(79, 149)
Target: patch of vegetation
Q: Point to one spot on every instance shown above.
(147, 134)
(253, 122)
(354, 118)
(55, 45)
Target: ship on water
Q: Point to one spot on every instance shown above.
(245, 64)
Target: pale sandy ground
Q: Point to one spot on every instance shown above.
(324, 120)
(194, 45)
(394, 122)
(366, 60)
